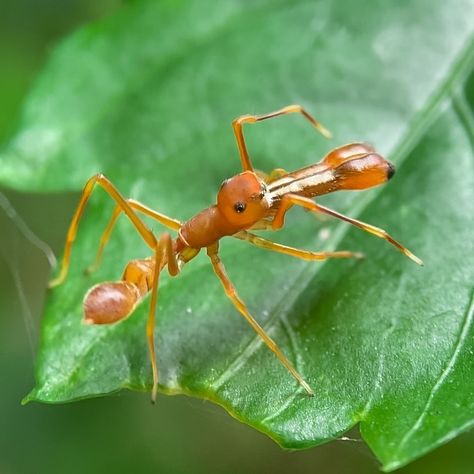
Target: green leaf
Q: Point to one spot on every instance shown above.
(147, 97)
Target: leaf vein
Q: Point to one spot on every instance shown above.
(385, 336)
(463, 334)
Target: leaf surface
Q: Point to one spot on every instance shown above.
(147, 97)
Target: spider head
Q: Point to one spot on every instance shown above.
(242, 199)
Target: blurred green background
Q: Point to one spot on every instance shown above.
(123, 432)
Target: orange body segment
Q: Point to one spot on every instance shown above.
(110, 302)
(364, 172)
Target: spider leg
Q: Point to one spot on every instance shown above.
(169, 222)
(107, 185)
(290, 109)
(231, 292)
(164, 254)
(290, 200)
(294, 252)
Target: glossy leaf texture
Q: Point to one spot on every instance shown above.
(147, 97)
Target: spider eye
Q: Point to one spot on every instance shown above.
(239, 207)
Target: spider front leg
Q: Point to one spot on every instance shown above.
(231, 292)
(290, 200)
(103, 182)
(169, 222)
(290, 109)
(164, 254)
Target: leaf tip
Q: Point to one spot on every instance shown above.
(27, 398)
